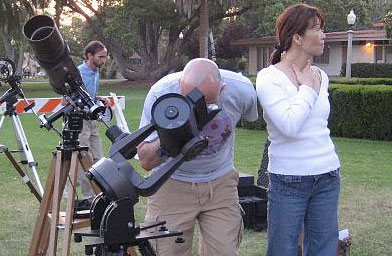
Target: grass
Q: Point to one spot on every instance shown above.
(365, 203)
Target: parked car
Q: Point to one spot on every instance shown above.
(41, 74)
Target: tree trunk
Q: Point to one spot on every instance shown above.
(9, 51)
(203, 29)
(153, 70)
(109, 69)
(19, 64)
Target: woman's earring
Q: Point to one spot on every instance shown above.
(283, 55)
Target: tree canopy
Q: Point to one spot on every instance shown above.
(143, 36)
(148, 28)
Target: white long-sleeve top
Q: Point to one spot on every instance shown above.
(297, 122)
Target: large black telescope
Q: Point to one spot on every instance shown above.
(52, 53)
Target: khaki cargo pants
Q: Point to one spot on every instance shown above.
(214, 205)
(89, 137)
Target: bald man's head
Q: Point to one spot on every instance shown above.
(204, 75)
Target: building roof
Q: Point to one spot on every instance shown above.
(341, 36)
(359, 35)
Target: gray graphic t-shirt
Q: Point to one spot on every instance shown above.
(238, 99)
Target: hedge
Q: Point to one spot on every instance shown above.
(259, 124)
(363, 112)
(357, 111)
(361, 81)
(369, 70)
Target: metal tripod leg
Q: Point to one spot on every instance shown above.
(22, 174)
(25, 148)
(2, 121)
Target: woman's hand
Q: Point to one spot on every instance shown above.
(308, 76)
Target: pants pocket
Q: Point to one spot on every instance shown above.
(334, 173)
(286, 184)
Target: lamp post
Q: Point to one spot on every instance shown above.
(350, 33)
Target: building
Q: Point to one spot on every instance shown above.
(369, 46)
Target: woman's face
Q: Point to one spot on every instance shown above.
(313, 43)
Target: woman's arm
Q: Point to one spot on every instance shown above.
(286, 113)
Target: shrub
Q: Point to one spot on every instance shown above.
(259, 124)
(253, 79)
(103, 73)
(229, 64)
(361, 112)
(369, 70)
(361, 81)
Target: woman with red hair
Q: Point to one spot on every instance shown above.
(304, 169)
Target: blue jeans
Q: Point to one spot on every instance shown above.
(303, 202)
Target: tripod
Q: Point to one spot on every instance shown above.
(65, 162)
(20, 137)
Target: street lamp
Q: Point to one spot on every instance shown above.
(350, 33)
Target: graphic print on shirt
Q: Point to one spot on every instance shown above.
(217, 131)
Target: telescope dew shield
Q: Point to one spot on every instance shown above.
(52, 52)
(175, 122)
(46, 40)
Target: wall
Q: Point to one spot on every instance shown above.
(335, 60)
(363, 54)
(253, 60)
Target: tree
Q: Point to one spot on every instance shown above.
(13, 14)
(77, 34)
(388, 23)
(228, 56)
(149, 28)
(261, 19)
(187, 6)
(336, 13)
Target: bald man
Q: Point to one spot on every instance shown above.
(204, 189)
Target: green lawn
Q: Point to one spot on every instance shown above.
(365, 204)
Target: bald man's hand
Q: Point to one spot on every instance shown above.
(149, 157)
